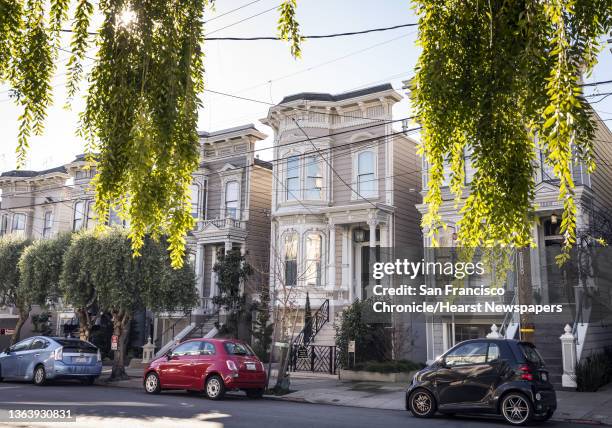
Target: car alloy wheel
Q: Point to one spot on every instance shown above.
(152, 384)
(422, 404)
(39, 375)
(516, 409)
(215, 389)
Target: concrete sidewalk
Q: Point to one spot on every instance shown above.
(589, 407)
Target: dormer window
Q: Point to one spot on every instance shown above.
(292, 181)
(314, 178)
(231, 199)
(366, 174)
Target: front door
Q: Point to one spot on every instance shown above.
(466, 376)
(363, 276)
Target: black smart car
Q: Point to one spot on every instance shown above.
(495, 376)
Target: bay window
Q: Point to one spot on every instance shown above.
(291, 251)
(313, 259)
(366, 174)
(292, 180)
(314, 178)
(231, 199)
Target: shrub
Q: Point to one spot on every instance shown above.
(594, 372)
(393, 366)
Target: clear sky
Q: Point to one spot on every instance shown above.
(265, 70)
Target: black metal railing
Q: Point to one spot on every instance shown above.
(310, 330)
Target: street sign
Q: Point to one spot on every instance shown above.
(351, 346)
(302, 352)
(114, 342)
(281, 344)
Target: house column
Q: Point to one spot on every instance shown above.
(213, 275)
(228, 245)
(331, 270)
(346, 263)
(199, 269)
(372, 222)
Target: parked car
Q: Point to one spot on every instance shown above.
(497, 376)
(40, 358)
(210, 365)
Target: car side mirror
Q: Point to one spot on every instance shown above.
(442, 363)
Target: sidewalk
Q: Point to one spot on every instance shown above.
(588, 407)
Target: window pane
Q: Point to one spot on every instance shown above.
(314, 178)
(195, 193)
(366, 174)
(313, 259)
(78, 216)
(189, 348)
(493, 352)
(470, 353)
(48, 221)
(366, 163)
(18, 222)
(231, 199)
(293, 178)
(366, 185)
(291, 249)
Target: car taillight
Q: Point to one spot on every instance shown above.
(58, 354)
(231, 365)
(525, 372)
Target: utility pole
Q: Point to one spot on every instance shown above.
(525, 296)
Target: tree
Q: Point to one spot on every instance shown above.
(125, 284)
(76, 280)
(307, 320)
(232, 271)
(11, 294)
(148, 76)
(40, 268)
(493, 80)
(262, 328)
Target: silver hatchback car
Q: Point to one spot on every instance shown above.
(41, 358)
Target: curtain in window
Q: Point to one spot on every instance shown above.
(291, 250)
(231, 199)
(366, 174)
(292, 182)
(314, 178)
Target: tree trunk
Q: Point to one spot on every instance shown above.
(121, 323)
(24, 314)
(84, 324)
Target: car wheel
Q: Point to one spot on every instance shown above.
(255, 393)
(89, 380)
(40, 376)
(215, 389)
(516, 409)
(422, 404)
(151, 383)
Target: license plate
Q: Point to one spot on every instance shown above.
(80, 360)
(544, 377)
(251, 366)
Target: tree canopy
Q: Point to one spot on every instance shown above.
(11, 294)
(142, 97)
(495, 80)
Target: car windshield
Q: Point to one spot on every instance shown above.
(531, 354)
(237, 349)
(77, 346)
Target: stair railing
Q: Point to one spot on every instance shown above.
(171, 329)
(319, 319)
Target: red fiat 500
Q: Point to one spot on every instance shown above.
(210, 365)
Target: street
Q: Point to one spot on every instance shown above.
(124, 407)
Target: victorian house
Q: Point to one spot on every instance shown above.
(586, 303)
(345, 184)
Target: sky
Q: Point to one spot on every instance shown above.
(265, 70)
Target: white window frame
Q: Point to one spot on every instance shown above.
(226, 213)
(297, 195)
(230, 173)
(357, 192)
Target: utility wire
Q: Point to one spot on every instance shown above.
(231, 11)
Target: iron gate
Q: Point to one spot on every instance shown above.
(313, 358)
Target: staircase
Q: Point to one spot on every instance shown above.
(206, 328)
(548, 329)
(310, 330)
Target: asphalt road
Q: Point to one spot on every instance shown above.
(100, 406)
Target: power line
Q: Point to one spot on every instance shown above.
(242, 20)
(231, 11)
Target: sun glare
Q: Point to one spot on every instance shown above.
(126, 17)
